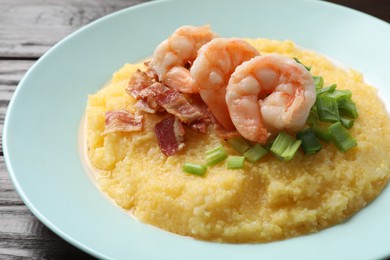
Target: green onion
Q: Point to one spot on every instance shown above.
(215, 155)
(346, 122)
(319, 82)
(298, 61)
(329, 89)
(339, 94)
(347, 108)
(310, 143)
(312, 119)
(255, 153)
(323, 133)
(285, 147)
(341, 137)
(327, 109)
(194, 168)
(239, 143)
(235, 162)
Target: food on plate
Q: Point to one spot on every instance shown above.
(269, 92)
(238, 140)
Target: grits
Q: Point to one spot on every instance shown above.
(266, 201)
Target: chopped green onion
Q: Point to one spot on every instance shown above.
(319, 82)
(327, 109)
(329, 89)
(285, 146)
(215, 155)
(341, 137)
(339, 94)
(312, 119)
(323, 133)
(298, 61)
(235, 162)
(347, 108)
(289, 153)
(255, 153)
(310, 143)
(346, 122)
(194, 168)
(239, 143)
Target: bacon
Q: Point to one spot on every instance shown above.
(207, 118)
(172, 101)
(169, 133)
(122, 121)
(144, 106)
(139, 81)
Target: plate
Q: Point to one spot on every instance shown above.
(41, 126)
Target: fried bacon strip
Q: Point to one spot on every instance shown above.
(172, 101)
(139, 81)
(185, 109)
(122, 121)
(169, 133)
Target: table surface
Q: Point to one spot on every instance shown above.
(28, 28)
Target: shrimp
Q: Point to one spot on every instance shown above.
(171, 57)
(212, 69)
(269, 93)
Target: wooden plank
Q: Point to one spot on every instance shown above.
(8, 194)
(11, 72)
(377, 8)
(23, 235)
(28, 28)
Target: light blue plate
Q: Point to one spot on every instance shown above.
(41, 127)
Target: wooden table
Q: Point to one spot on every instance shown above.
(28, 28)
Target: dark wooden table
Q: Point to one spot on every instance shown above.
(28, 28)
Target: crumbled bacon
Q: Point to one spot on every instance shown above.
(201, 124)
(122, 121)
(142, 105)
(187, 109)
(172, 101)
(169, 133)
(139, 81)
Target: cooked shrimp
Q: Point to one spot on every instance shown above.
(267, 93)
(212, 69)
(171, 57)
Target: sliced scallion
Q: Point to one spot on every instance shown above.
(289, 153)
(239, 143)
(194, 168)
(329, 89)
(339, 94)
(310, 143)
(285, 147)
(215, 155)
(323, 133)
(347, 108)
(312, 119)
(235, 162)
(346, 122)
(327, 109)
(341, 137)
(255, 153)
(319, 82)
(298, 61)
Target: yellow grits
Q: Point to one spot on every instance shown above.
(268, 200)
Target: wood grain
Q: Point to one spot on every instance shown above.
(378, 8)
(28, 28)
